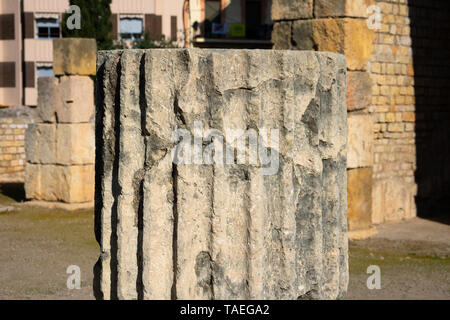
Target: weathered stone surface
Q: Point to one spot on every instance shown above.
(75, 143)
(51, 186)
(208, 229)
(77, 99)
(359, 191)
(360, 141)
(292, 9)
(347, 36)
(358, 43)
(71, 184)
(341, 8)
(42, 182)
(359, 90)
(74, 56)
(281, 35)
(40, 143)
(33, 181)
(393, 200)
(76, 183)
(48, 98)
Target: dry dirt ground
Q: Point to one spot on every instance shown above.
(38, 245)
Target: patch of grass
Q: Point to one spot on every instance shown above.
(360, 259)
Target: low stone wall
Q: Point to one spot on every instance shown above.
(13, 123)
(12, 154)
(182, 212)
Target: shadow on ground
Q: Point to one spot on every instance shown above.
(12, 191)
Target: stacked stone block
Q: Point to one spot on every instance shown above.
(171, 230)
(60, 145)
(339, 26)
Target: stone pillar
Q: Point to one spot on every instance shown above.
(60, 145)
(181, 214)
(339, 26)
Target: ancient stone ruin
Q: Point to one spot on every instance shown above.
(180, 216)
(60, 145)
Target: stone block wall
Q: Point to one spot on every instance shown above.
(398, 77)
(339, 26)
(60, 145)
(177, 219)
(393, 105)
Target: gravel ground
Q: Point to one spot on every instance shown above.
(38, 245)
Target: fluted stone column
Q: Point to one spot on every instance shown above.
(177, 219)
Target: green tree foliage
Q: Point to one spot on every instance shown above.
(95, 23)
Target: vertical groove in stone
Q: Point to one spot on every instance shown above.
(230, 184)
(343, 271)
(258, 210)
(107, 87)
(129, 176)
(158, 222)
(341, 122)
(115, 187)
(173, 290)
(288, 277)
(333, 135)
(102, 228)
(269, 118)
(158, 228)
(140, 211)
(330, 216)
(99, 228)
(307, 167)
(330, 192)
(194, 194)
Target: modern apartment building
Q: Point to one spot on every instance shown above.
(27, 28)
(10, 53)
